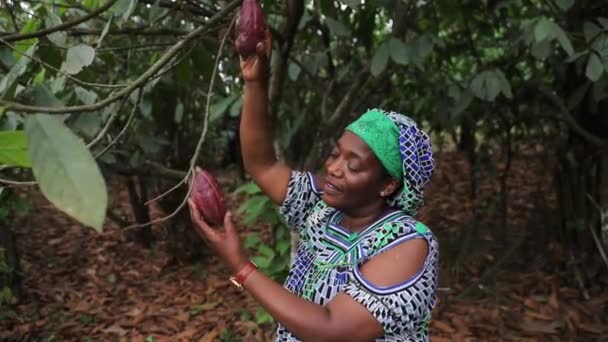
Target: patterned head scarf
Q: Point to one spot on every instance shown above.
(404, 151)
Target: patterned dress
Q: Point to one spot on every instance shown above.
(329, 256)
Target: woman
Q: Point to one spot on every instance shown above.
(365, 269)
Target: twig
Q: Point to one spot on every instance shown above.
(124, 129)
(171, 52)
(67, 24)
(198, 145)
(17, 183)
(105, 129)
(35, 59)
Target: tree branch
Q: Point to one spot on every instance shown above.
(74, 79)
(67, 24)
(137, 83)
(571, 120)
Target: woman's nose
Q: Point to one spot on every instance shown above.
(334, 167)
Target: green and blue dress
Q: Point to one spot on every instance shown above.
(329, 258)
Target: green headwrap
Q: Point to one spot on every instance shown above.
(381, 134)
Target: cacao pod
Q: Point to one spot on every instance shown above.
(250, 28)
(208, 197)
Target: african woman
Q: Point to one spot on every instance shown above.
(365, 269)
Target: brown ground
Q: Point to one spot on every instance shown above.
(80, 285)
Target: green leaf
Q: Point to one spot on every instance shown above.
(252, 240)
(399, 51)
(87, 124)
(58, 38)
(595, 68)
(564, 5)
(465, 99)
(600, 45)
(486, 85)
(104, 32)
(220, 107)
(541, 50)
(380, 59)
(24, 45)
(563, 39)
(66, 171)
(603, 22)
(13, 149)
(543, 29)
(16, 70)
(294, 71)
(78, 57)
(85, 96)
(337, 27)
(183, 73)
(354, 4)
(236, 107)
(505, 86)
(124, 9)
(43, 96)
(249, 188)
(590, 30)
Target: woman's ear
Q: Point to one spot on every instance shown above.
(389, 187)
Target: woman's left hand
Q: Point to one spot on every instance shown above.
(226, 242)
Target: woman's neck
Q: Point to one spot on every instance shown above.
(357, 220)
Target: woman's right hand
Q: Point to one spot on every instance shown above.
(255, 68)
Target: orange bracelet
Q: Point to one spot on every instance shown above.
(239, 278)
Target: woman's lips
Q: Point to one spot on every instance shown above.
(330, 188)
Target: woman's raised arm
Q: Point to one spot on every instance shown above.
(256, 135)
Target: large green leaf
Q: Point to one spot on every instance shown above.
(564, 4)
(58, 38)
(595, 68)
(66, 171)
(380, 59)
(399, 51)
(124, 9)
(78, 57)
(24, 45)
(486, 85)
(13, 149)
(337, 27)
(17, 70)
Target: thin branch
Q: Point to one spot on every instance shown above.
(67, 24)
(105, 129)
(37, 60)
(16, 183)
(199, 145)
(137, 83)
(571, 120)
(140, 31)
(143, 47)
(124, 129)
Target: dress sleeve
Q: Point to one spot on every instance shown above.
(302, 195)
(405, 307)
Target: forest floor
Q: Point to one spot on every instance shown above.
(512, 284)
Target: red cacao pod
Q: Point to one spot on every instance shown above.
(250, 28)
(208, 197)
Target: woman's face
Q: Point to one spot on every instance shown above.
(354, 177)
